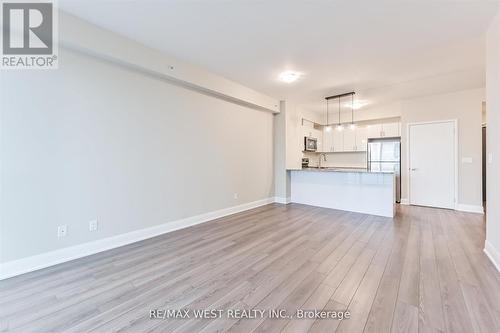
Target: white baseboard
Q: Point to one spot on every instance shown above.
(492, 254)
(282, 200)
(33, 263)
(459, 207)
(470, 208)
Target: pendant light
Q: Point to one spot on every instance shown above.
(339, 125)
(352, 126)
(328, 127)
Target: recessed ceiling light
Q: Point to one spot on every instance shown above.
(289, 76)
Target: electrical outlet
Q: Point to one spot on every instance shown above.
(62, 230)
(235, 196)
(93, 225)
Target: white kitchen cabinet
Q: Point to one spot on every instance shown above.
(374, 131)
(307, 129)
(390, 130)
(338, 140)
(349, 139)
(361, 138)
(328, 140)
(318, 134)
(384, 130)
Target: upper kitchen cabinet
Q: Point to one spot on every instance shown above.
(349, 139)
(328, 146)
(338, 140)
(355, 139)
(346, 140)
(374, 131)
(308, 129)
(333, 140)
(361, 138)
(390, 130)
(384, 130)
(318, 134)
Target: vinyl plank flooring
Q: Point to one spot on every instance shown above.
(431, 315)
(382, 312)
(423, 271)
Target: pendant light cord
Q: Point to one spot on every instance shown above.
(352, 109)
(327, 123)
(339, 111)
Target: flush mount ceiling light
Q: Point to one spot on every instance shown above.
(356, 105)
(289, 76)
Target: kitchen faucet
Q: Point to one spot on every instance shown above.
(324, 158)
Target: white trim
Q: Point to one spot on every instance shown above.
(492, 254)
(470, 208)
(404, 201)
(29, 264)
(282, 200)
(455, 124)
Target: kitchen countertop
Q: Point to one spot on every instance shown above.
(347, 170)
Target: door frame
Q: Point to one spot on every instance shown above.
(455, 143)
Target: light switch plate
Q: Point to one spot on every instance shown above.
(467, 160)
(62, 230)
(490, 158)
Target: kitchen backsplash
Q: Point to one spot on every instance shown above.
(357, 160)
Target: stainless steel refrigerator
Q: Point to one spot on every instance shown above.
(385, 155)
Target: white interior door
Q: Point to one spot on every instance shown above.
(432, 164)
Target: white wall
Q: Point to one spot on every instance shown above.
(294, 139)
(281, 177)
(466, 106)
(493, 140)
(95, 140)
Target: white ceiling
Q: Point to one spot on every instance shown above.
(383, 50)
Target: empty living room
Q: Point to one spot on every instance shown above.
(249, 166)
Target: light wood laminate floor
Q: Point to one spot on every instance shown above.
(424, 271)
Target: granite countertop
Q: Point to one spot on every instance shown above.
(334, 169)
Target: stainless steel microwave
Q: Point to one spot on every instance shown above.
(310, 144)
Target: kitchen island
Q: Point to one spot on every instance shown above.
(349, 189)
